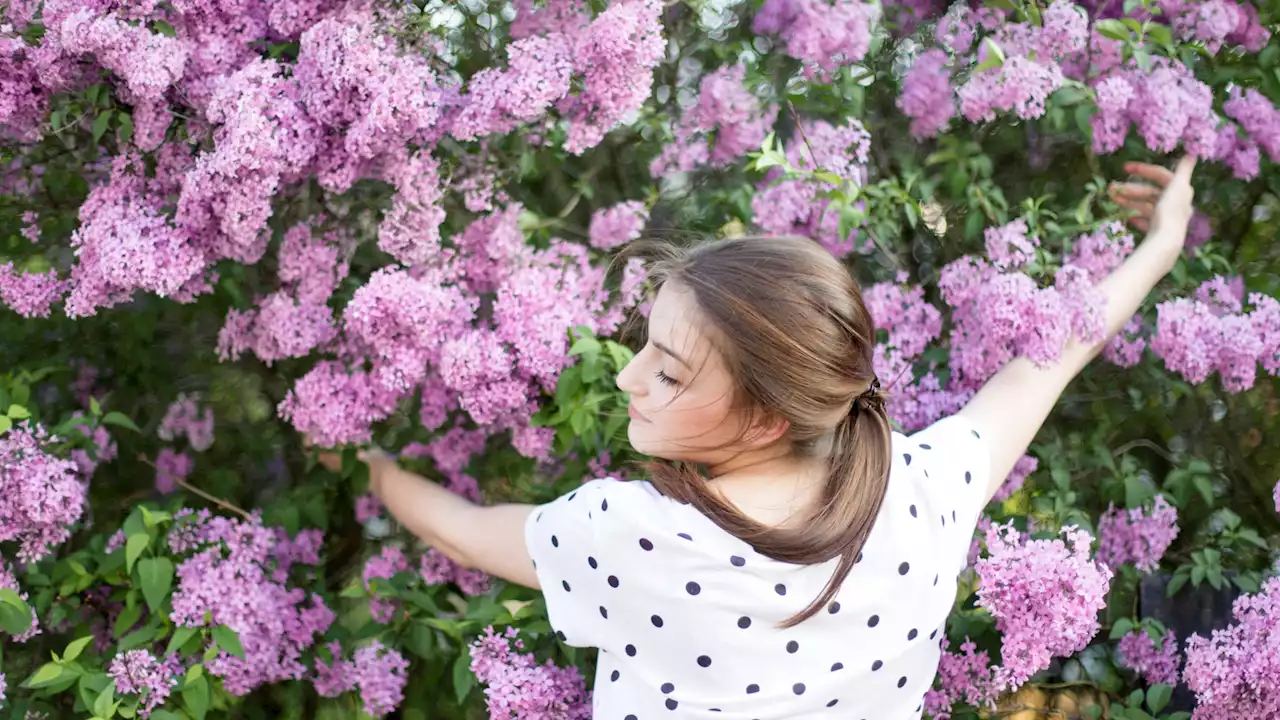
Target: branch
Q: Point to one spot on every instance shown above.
(192, 488)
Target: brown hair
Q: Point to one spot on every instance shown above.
(789, 321)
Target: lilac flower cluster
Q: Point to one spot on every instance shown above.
(724, 124)
(9, 582)
(386, 564)
(1137, 651)
(1233, 672)
(617, 225)
(823, 34)
(40, 495)
(1045, 596)
(1211, 333)
(235, 575)
(520, 688)
(964, 677)
(172, 467)
(378, 672)
(185, 418)
(138, 672)
(1138, 536)
(793, 206)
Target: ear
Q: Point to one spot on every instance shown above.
(766, 430)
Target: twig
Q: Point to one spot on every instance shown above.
(1142, 442)
(211, 498)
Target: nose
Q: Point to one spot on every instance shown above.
(628, 380)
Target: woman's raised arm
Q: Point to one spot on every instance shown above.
(1014, 403)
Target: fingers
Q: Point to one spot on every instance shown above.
(1142, 208)
(1157, 174)
(1186, 165)
(1141, 223)
(1134, 191)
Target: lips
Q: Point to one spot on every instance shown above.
(635, 414)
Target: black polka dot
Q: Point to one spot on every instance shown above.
(592, 562)
(873, 621)
(902, 681)
(613, 581)
(907, 457)
(837, 666)
(834, 607)
(913, 511)
(667, 688)
(780, 589)
(944, 520)
(539, 518)
(935, 579)
(926, 447)
(644, 543)
(692, 588)
(555, 541)
(588, 514)
(604, 504)
(565, 585)
(798, 688)
(631, 650)
(614, 677)
(968, 477)
(656, 620)
(672, 704)
(715, 710)
(686, 536)
(752, 689)
(604, 613)
(858, 559)
(561, 635)
(793, 646)
(832, 703)
(704, 661)
(975, 434)
(573, 495)
(737, 561)
(953, 515)
(912, 635)
(933, 634)
(744, 622)
(876, 665)
(903, 568)
(630, 717)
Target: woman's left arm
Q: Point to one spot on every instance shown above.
(1015, 402)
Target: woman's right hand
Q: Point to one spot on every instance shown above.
(1162, 205)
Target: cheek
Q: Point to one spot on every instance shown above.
(690, 417)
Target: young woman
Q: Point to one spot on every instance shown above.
(808, 571)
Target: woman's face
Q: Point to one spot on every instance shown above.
(681, 392)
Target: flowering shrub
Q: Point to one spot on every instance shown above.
(225, 226)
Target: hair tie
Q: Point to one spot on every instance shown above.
(870, 395)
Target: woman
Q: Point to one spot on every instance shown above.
(810, 572)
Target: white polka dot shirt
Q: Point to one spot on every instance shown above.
(686, 616)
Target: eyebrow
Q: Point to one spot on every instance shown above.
(672, 353)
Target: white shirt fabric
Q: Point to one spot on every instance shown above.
(686, 616)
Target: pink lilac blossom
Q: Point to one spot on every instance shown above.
(184, 417)
(1233, 671)
(616, 56)
(137, 672)
(30, 226)
(149, 63)
(1167, 104)
(334, 407)
(30, 294)
(617, 225)
(1125, 348)
(1137, 651)
(955, 29)
(497, 101)
(1045, 596)
(40, 495)
(309, 266)
(228, 579)
(964, 677)
(1275, 496)
(725, 123)
(1197, 338)
(518, 687)
(1258, 117)
(367, 507)
(1100, 251)
(410, 229)
(102, 449)
(823, 34)
(927, 97)
(1021, 471)
(378, 672)
(384, 565)
(490, 249)
(279, 328)
(1138, 536)
(1009, 247)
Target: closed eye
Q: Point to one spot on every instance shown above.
(664, 378)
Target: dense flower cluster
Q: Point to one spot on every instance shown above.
(1210, 333)
(1045, 596)
(1138, 652)
(378, 672)
(1233, 671)
(41, 496)
(1138, 536)
(963, 677)
(824, 34)
(236, 574)
(138, 672)
(386, 564)
(520, 688)
(724, 124)
(185, 418)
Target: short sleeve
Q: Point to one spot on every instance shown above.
(570, 542)
(955, 464)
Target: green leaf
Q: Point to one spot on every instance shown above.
(180, 637)
(126, 127)
(1113, 29)
(102, 706)
(1198, 574)
(126, 620)
(138, 638)
(1205, 487)
(115, 417)
(585, 345)
(463, 678)
(133, 548)
(101, 124)
(1160, 33)
(17, 412)
(163, 28)
(1175, 583)
(421, 640)
(95, 407)
(1158, 697)
(46, 675)
(157, 577)
(1122, 627)
(195, 695)
(75, 647)
(15, 615)
(228, 640)
(1247, 582)
(5, 423)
